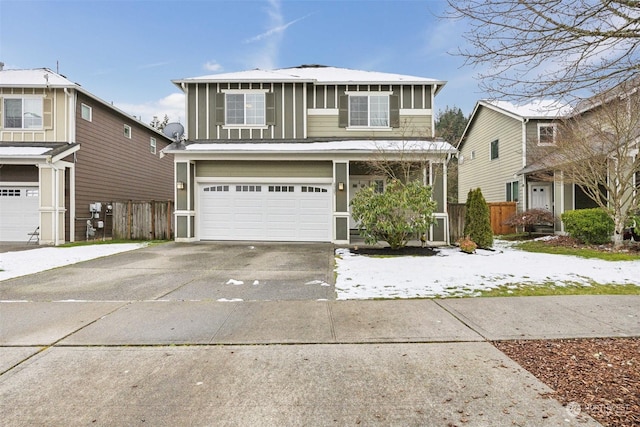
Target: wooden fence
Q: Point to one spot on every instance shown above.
(140, 220)
(498, 212)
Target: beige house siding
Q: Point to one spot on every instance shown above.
(478, 170)
(325, 125)
(55, 116)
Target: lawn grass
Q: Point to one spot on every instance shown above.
(548, 289)
(542, 247)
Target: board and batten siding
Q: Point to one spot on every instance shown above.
(204, 114)
(256, 169)
(55, 109)
(110, 166)
(491, 176)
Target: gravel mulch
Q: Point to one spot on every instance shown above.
(599, 376)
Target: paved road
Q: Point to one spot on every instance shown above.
(143, 338)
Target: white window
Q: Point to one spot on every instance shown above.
(369, 110)
(546, 134)
(245, 109)
(127, 131)
(152, 145)
(86, 112)
(23, 113)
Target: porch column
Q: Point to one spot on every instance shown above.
(184, 201)
(341, 202)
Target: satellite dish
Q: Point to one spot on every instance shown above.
(173, 131)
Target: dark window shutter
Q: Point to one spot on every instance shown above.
(394, 111)
(343, 111)
(1, 111)
(220, 100)
(47, 113)
(270, 101)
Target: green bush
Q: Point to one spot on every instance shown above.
(477, 220)
(401, 213)
(591, 226)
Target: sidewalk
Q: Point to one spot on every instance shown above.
(390, 362)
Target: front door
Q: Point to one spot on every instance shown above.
(541, 196)
(357, 183)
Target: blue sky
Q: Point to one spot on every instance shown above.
(128, 51)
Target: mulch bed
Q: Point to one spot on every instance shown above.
(601, 375)
(387, 251)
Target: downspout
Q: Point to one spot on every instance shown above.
(525, 189)
(71, 130)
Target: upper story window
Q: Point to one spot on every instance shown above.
(127, 131)
(152, 145)
(23, 113)
(86, 112)
(369, 110)
(546, 134)
(245, 108)
(494, 149)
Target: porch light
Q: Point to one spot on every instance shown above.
(180, 185)
(341, 186)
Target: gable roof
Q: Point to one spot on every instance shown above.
(46, 78)
(539, 109)
(312, 74)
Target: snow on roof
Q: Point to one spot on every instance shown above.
(539, 108)
(36, 77)
(367, 146)
(312, 73)
(16, 151)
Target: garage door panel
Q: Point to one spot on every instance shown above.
(278, 212)
(19, 212)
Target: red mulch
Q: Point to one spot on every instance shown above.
(602, 375)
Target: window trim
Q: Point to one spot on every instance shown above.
(368, 95)
(84, 107)
(127, 131)
(494, 148)
(245, 125)
(547, 125)
(22, 98)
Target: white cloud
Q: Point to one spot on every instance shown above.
(172, 105)
(212, 66)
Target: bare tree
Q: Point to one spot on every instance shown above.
(550, 48)
(596, 148)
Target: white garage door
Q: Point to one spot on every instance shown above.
(269, 212)
(18, 213)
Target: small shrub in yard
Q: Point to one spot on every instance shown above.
(591, 226)
(467, 245)
(529, 218)
(477, 220)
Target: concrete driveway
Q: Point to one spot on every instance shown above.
(203, 271)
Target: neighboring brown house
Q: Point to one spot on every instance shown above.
(64, 152)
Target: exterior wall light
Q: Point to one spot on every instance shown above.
(341, 186)
(180, 185)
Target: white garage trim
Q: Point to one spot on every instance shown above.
(19, 211)
(265, 210)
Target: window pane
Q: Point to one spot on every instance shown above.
(358, 111)
(13, 113)
(546, 135)
(379, 110)
(255, 108)
(235, 109)
(32, 113)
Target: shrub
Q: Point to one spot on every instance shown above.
(467, 245)
(529, 218)
(477, 220)
(402, 212)
(591, 226)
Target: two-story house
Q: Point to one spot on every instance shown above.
(277, 155)
(63, 149)
(497, 145)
